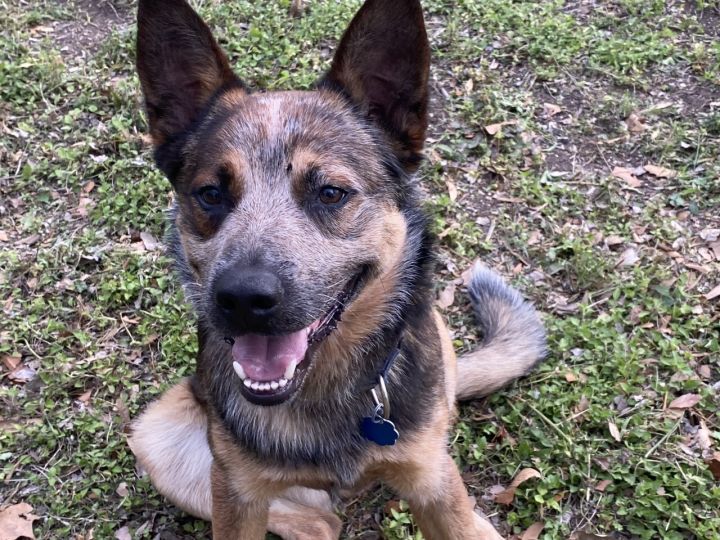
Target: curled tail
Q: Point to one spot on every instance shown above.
(514, 337)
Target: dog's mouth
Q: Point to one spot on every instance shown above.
(272, 368)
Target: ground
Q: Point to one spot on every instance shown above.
(573, 148)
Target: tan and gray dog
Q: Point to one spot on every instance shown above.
(322, 366)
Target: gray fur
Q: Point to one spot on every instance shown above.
(505, 317)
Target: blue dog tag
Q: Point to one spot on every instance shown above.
(379, 430)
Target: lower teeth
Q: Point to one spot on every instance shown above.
(265, 386)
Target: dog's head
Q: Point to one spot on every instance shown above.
(289, 204)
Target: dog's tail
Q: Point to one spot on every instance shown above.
(514, 337)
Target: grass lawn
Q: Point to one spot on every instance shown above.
(574, 148)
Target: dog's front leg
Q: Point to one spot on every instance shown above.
(439, 501)
(233, 516)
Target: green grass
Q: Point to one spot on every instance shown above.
(101, 320)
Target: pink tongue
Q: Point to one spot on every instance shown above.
(265, 358)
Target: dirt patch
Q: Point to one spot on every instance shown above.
(90, 25)
(708, 17)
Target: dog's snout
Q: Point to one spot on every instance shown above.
(248, 296)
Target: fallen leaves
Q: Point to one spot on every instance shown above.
(614, 431)
(714, 465)
(149, 241)
(123, 533)
(494, 129)
(550, 109)
(629, 257)
(122, 489)
(446, 296)
(714, 293)
(18, 372)
(710, 235)
(660, 172)
(602, 485)
(631, 175)
(452, 190)
(627, 175)
(635, 123)
(16, 522)
(508, 494)
(533, 531)
(685, 401)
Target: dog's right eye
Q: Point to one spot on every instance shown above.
(209, 196)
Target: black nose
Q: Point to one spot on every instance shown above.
(248, 296)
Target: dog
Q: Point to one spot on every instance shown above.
(302, 247)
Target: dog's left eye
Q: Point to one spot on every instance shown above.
(331, 195)
(210, 196)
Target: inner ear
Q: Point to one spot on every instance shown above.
(382, 64)
(180, 66)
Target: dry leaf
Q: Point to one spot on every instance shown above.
(582, 406)
(85, 396)
(705, 371)
(11, 361)
(635, 124)
(149, 241)
(122, 489)
(22, 374)
(627, 175)
(710, 235)
(452, 189)
(533, 531)
(685, 401)
(570, 377)
(4, 236)
(551, 109)
(123, 533)
(614, 240)
(660, 172)
(446, 297)
(494, 129)
(714, 464)
(16, 522)
(83, 204)
(602, 485)
(703, 438)
(534, 238)
(507, 496)
(629, 257)
(714, 293)
(614, 431)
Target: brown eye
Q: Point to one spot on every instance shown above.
(331, 194)
(210, 196)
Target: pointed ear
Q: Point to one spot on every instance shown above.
(382, 64)
(180, 65)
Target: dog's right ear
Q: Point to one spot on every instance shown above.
(180, 65)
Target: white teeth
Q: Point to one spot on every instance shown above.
(262, 386)
(290, 370)
(239, 370)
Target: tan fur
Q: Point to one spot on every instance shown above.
(489, 368)
(170, 443)
(172, 429)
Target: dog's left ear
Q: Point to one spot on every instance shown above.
(382, 64)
